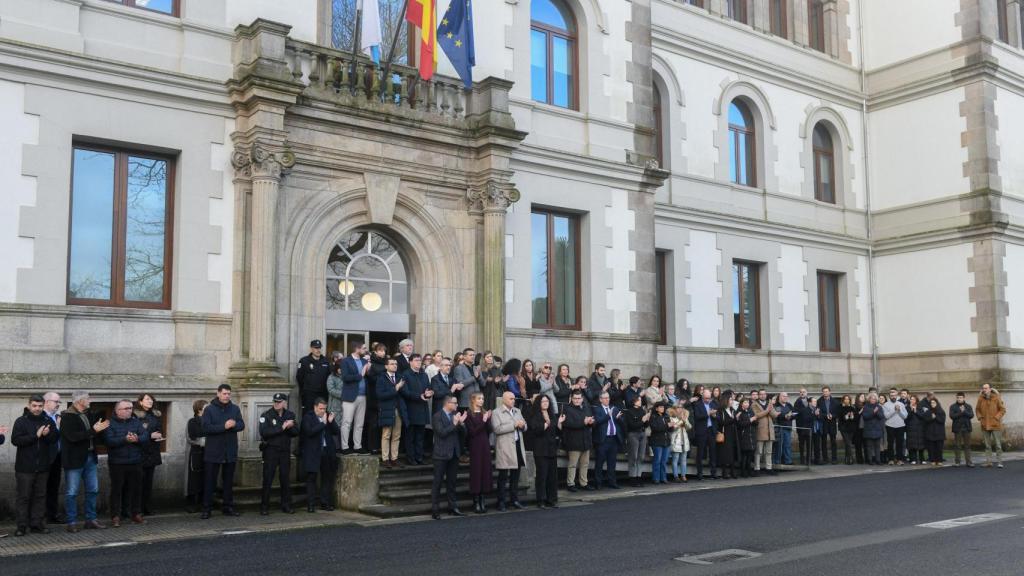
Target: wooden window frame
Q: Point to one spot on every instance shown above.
(751, 133)
(741, 9)
(755, 269)
(816, 25)
(661, 276)
(822, 328)
(175, 7)
(120, 224)
(550, 32)
(780, 7)
(659, 126)
(550, 228)
(818, 154)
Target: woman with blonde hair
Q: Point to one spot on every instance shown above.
(679, 422)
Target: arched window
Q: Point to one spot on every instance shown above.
(742, 145)
(736, 10)
(816, 24)
(824, 165)
(553, 54)
(659, 128)
(366, 273)
(777, 17)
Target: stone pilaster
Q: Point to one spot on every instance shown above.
(799, 21)
(493, 200)
(1013, 23)
(831, 15)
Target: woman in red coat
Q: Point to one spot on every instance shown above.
(479, 434)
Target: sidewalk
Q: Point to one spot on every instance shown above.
(169, 527)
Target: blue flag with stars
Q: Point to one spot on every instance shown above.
(455, 35)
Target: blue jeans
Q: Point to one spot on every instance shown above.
(72, 480)
(658, 463)
(678, 460)
(784, 452)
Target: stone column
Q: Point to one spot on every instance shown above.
(265, 168)
(493, 200)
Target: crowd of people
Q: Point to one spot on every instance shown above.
(479, 410)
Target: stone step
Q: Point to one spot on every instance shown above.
(416, 509)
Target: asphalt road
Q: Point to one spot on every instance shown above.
(856, 525)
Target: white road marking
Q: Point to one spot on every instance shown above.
(236, 532)
(965, 521)
(117, 544)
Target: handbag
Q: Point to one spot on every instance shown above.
(720, 438)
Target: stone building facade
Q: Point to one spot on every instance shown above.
(289, 165)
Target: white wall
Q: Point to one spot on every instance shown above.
(924, 301)
(1013, 263)
(220, 268)
(895, 30)
(916, 153)
(704, 288)
(301, 15)
(793, 298)
(1009, 108)
(16, 190)
(620, 261)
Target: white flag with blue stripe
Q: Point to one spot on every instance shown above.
(370, 35)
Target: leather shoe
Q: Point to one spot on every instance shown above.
(327, 507)
(288, 510)
(572, 489)
(589, 488)
(613, 486)
(204, 516)
(455, 512)
(39, 530)
(137, 519)
(116, 520)
(501, 507)
(311, 509)
(73, 528)
(264, 511)
(518, 505)
(435, 515)
(20, 532)
(231, 512)
(94, 525)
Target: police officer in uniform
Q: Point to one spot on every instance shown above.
(277, 428)
(312, 375)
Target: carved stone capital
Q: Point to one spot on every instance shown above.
(259, 161)
(492, 197)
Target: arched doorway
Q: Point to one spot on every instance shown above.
(367, 292)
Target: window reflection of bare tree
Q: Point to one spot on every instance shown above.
(147, 217)
(343, 27)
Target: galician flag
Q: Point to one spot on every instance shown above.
(423, 13)
(370, 34)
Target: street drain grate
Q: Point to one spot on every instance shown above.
(720, 557)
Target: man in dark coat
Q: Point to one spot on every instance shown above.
(705, 427)
(961, 414)
(441, 384)
(416, 393)
(608, 438)
(277, 428)
(804, 426)
(596, 384)
(311, 375)
(319, 455)
(828, 415)
(577, 438)
(79, 432)
(446, 423)
(222, 421)
(34, 435)
(126, 439)
(392, 413)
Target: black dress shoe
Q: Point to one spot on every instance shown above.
(551, 504)
(455, 512)
(231, 512)
(435, 515)
(20, 531)
(39, 530)
(264, 511)
(204, 516)
(501, 507)
(518, 505)
(572, 489)
(613, 486)
(288, 510)
(590, 488)
(311, 509)
(327, 507)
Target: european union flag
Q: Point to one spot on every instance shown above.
(455, 35)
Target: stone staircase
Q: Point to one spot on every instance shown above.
(406, 492)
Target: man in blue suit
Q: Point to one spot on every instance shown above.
(705, 427)
(446, 423)
(318, 455)
(608, 436)
(353, 397)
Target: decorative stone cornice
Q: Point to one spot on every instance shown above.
(259, 161)
(492, 197)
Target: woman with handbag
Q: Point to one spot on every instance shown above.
(746, 433)
(196, 447)
(726, 439)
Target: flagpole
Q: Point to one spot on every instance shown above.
(394, 41)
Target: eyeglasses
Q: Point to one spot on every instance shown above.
(547, 368)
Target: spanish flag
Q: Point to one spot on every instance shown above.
(423, 13)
